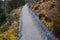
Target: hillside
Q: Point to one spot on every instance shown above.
(11, 32)
(47, 12)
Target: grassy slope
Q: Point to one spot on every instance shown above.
(11, 32)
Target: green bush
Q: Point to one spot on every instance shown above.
(2, 18)
(1, 10)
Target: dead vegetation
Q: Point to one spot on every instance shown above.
(48, 13)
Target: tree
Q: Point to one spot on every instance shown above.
(2, 15)
(13, 4)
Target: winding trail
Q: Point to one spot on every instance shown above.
(31, 28)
